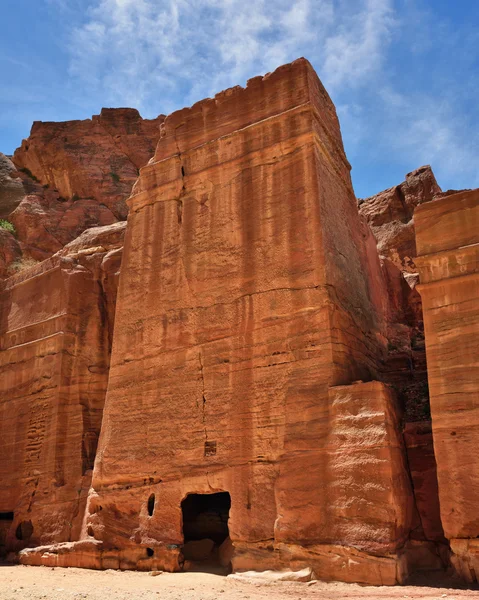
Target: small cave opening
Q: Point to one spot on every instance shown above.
(24, 531)
(151, 505)
(150, 552)
(207, 545)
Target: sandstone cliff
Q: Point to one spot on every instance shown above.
(391, 216)
(268, 381)
(56, 327)
(94, 159)
(67, 177)
(240, 362)
(448, 260)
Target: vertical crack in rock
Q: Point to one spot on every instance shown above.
(179, 211)
(179, 208)
(203, 416)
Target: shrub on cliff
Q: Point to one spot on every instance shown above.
(4, 224)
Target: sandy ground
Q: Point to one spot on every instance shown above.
(47, 583)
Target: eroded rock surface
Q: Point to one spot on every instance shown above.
(11, 187)
(56, 322)
(69, 177)
(390, 215)
(97, 159)
(448, 260)
(234, 372)
(266, 362)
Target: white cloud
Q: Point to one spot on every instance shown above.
(357, 49)
(129, 48)
(160, 55)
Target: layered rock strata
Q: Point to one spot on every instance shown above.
(98, 158)
(265, 360)
(56, 322)
(390, 215)
(235, 372)
(448, 260)
(68, 177)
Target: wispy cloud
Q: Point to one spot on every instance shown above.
(128, 48)
(403, 74)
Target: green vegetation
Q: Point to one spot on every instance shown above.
(115, 176)
(4, 224)
(29, 173)
(75, 197)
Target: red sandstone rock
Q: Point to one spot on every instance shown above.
(74, 176)
(244, 231)
(11, 187)
(97, 159)
(390, 215)
(252, 303)
(448, 260)
(55, 341)
(10, 252)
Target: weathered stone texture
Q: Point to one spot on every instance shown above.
(448, 260)
(260, 347)
(69, 177)
(245, 300)
(11, 187)
(94, 159)
(390, 215)
(55, 321)
(10, 252)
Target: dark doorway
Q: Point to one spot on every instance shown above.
(6, 520)
(205, 530)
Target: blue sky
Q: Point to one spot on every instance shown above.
(403, 74)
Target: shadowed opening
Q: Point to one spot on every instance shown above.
(6, 520)
(205, 531)
(24, 531)
(151, 504)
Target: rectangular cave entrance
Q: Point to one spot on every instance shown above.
(6, 520)
(207, 545)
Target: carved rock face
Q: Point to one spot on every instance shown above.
(448, 248)
(254, 337)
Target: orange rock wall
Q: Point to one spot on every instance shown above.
(448, 259)
(245, 295)
(95, 159)
(55, 322)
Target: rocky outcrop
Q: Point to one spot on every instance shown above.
(10, 252)
(56, 322)
(45, 222)
(390, 215)
(97, 159)
(267, 403)
(448, 260)
(234, 376)
(69, 177)
(11, 186)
